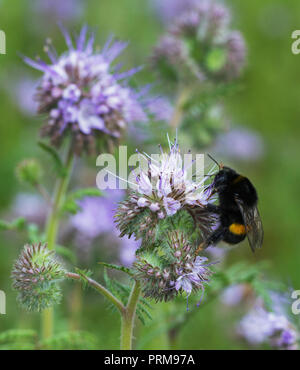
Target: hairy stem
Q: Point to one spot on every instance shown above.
(100, 288)
(128, 317)
(178, 110)
(52, 231)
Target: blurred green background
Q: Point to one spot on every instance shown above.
(268, 103)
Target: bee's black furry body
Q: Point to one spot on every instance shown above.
(237, 196)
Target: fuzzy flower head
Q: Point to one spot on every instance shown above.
(206, 47)
(162, 190)
(35, 276)
(83, 94)
(184, 273)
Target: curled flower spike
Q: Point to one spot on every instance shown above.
(83, 94)
(200, 43)
(163, 190)
(35, 276)
(163, 280)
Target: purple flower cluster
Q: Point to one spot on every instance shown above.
(165, 188)
(239, 143)
(199, 43)
(260, 326)
(96, 219)
(83, 93)
(170, 9)
(185, 274)
(59, 10)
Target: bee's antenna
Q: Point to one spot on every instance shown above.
(219, 165)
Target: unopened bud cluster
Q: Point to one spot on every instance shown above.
(35, 276)
(177, 270)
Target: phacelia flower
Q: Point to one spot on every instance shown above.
(206, 47)
(21, 89)
(161, 191)
(185, 273)
(260, 326)
(66, 10)
(239, 143)
(30, 206)
(36, 275)
(167, 10)
(236, 294)
(96, 219)
(161, 109)
(83, 94)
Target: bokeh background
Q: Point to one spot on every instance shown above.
(266, 107)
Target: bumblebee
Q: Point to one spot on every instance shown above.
(237, 210)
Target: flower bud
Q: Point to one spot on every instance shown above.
(35, 276)
(29, 171)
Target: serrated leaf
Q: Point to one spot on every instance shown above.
(58, 164)
(116, 267)
(84, 275)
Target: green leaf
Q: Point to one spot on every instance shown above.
(116, 267)
(18, 224)
(58, 164)
(84, 274)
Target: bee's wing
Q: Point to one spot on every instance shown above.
(255, 232)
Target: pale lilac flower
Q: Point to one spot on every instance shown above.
(196, 274)
(59, 10)
(161, 109)
(260, 326)
(95, 216)
(30, 206)
(96, 219)
(204, 26)
(234, 294)
(167, 10)
(127, 250)
(22, 91)
(239, 144)
(84, 94)
(165, 187)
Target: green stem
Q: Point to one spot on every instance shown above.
(177, 117)
(128, 317)
(52, 231)
(100, 288)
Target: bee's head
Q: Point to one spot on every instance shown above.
(224, 177)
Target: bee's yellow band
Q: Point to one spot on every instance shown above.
(238, 179)
(237, 229)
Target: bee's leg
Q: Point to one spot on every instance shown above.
(214, 238)
(213, 208)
